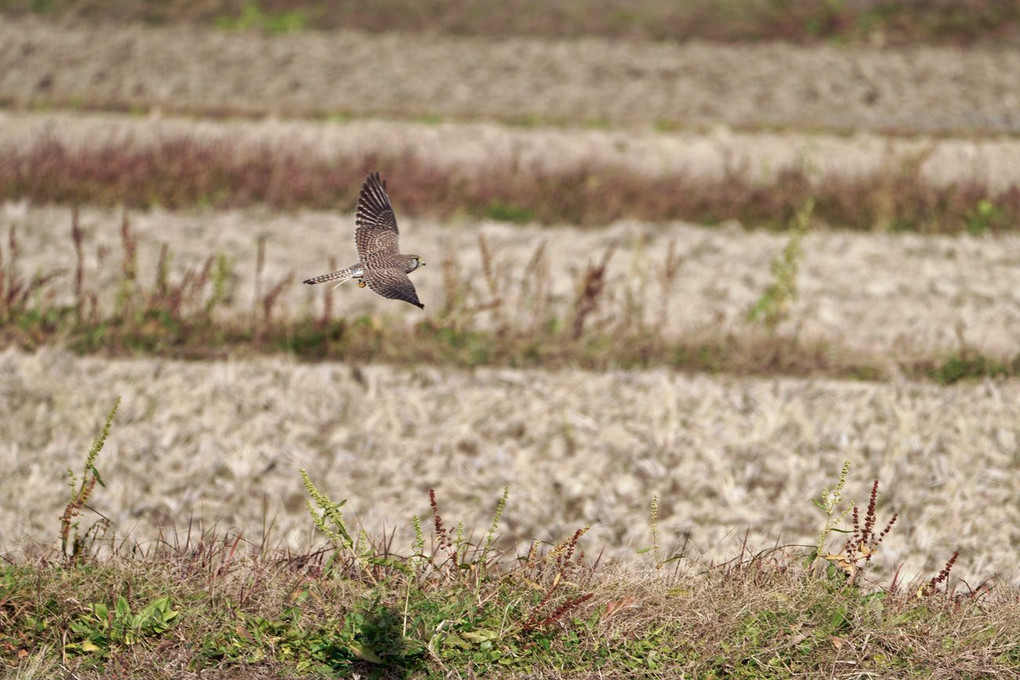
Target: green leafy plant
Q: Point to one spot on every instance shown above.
(378, 635)
(829, 502)
(253, 17)
(967, 364)
(73, 544)
(506, 212)
(985, 217)
(105, 627)
(773, 307)
(327, 515)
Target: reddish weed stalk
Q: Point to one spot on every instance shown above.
(565, 569)
(863, 541)
(930, 588)
(592, 285)
(15, 293)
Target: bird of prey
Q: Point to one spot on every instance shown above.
(381, 266)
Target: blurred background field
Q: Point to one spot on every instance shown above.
(601, 194)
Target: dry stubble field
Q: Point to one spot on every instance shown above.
(220, 442)
(179, 68)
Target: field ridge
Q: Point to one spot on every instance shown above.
(201, 71)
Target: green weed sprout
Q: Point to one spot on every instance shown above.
(81, 490)
(773, 307)
(497, 517)
(829, 503)
(654, 520)
(326, 514)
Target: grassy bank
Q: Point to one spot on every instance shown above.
(893, 22)
(218, 606)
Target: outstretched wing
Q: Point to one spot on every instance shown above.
(392, 283)
(376, 232)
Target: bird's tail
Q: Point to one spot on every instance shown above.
(340, 276)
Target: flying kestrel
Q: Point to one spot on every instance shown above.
(381, 266)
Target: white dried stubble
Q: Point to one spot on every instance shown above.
(211, 440)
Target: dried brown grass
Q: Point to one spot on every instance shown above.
(762, 618)
(885, 21)
(184, 172)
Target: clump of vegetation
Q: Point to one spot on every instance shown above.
(211, 603)
(966, 362)
(774, 305)
(73, 544)
(863, 542)
(253, 17)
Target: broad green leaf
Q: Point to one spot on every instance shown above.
(364, 653)
(480, 635)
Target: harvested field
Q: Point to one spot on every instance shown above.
(184, 68)
(466, 147)
(584, 178)
(591, 212)
(900, 296)
(723, 454)
(220, 443)
(875, 23)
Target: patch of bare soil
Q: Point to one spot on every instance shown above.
(220, 443)
(185, 68)
(902, 295)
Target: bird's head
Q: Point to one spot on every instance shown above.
(413, 262)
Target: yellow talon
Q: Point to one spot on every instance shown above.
(361, 283)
